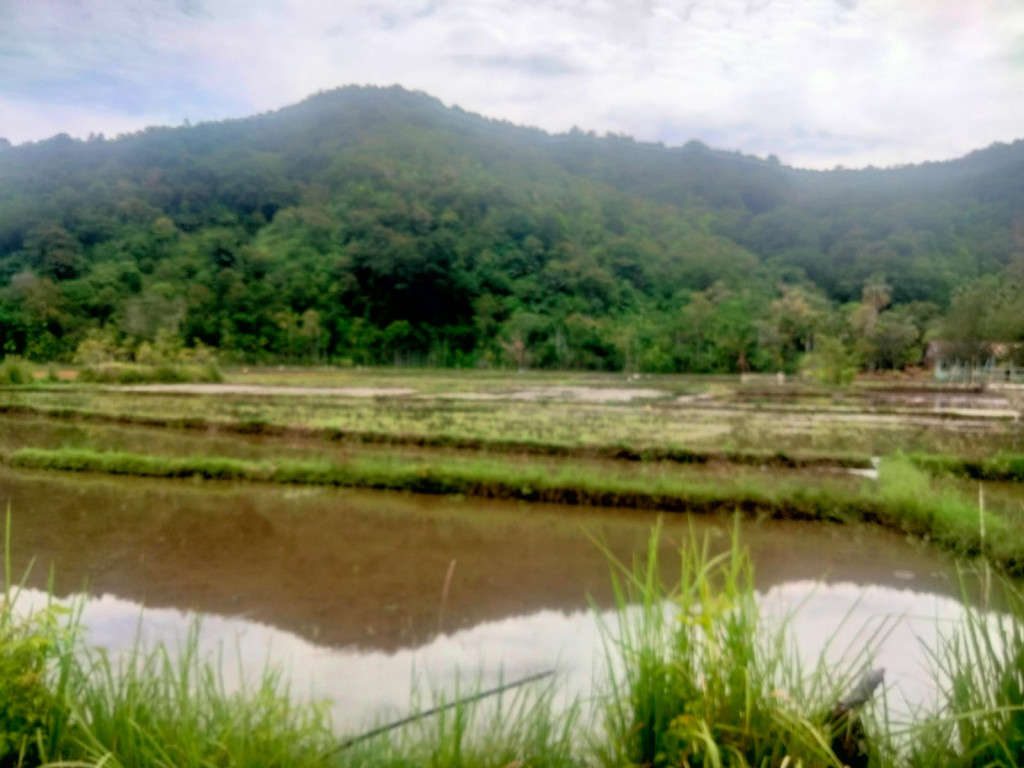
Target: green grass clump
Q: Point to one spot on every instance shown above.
(910, 501)
(33, 711)
(173, 709)
(1003, 466)
(981, 664)
(33, 704)
(706, 681)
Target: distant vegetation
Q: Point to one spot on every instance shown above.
(370, 226)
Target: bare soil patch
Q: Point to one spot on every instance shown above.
(578, 394)
(581, 394)
(258, 389)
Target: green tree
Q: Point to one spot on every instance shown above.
(54, 252)
(832, 362)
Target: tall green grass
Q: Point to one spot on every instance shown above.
(65, 704)
(910, 501)
(981, 666)
(704, 679)
(162, 708)
(34, 712)
(1003, 466)
(701, 678)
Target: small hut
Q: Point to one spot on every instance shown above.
(975, 362)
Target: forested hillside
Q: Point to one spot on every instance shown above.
(372, 225)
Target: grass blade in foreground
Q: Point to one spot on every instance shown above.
(981, 665)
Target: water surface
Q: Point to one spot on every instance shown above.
(344, 567)
(347, 589)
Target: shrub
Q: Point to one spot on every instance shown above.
(831, 363)
(164, 373)
(15, 372)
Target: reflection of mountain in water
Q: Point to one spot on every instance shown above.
(347, 568)
(365, 686)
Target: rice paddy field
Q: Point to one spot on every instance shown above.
(406, 539)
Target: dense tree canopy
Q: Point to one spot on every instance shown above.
(375, 226)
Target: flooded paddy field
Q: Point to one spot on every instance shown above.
(364, 596)
(17, 432)
(357, 593)
(733, 418)
(351, 567)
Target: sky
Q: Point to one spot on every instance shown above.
(818, 83)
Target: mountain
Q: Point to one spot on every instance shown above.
(377, 225)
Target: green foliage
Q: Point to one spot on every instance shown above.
(831, 363)
(375, 226)
(34, 711)
(164, 373)
(911, 501)
(981, 664)
(30, 709)
(164, 360)
(705, 681)
(15, 372)
(1007, 467)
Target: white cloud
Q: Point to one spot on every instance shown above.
(30, 121)
(817, 82)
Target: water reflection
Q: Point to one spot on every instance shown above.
(345, 568)
(347, 590)
(365, 687)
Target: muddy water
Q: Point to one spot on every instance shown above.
(363, 568)
(347, 589)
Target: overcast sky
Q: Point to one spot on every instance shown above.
(817, 82)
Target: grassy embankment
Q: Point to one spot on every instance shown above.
(904, 498)
(1008, 467)
(696, 677)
